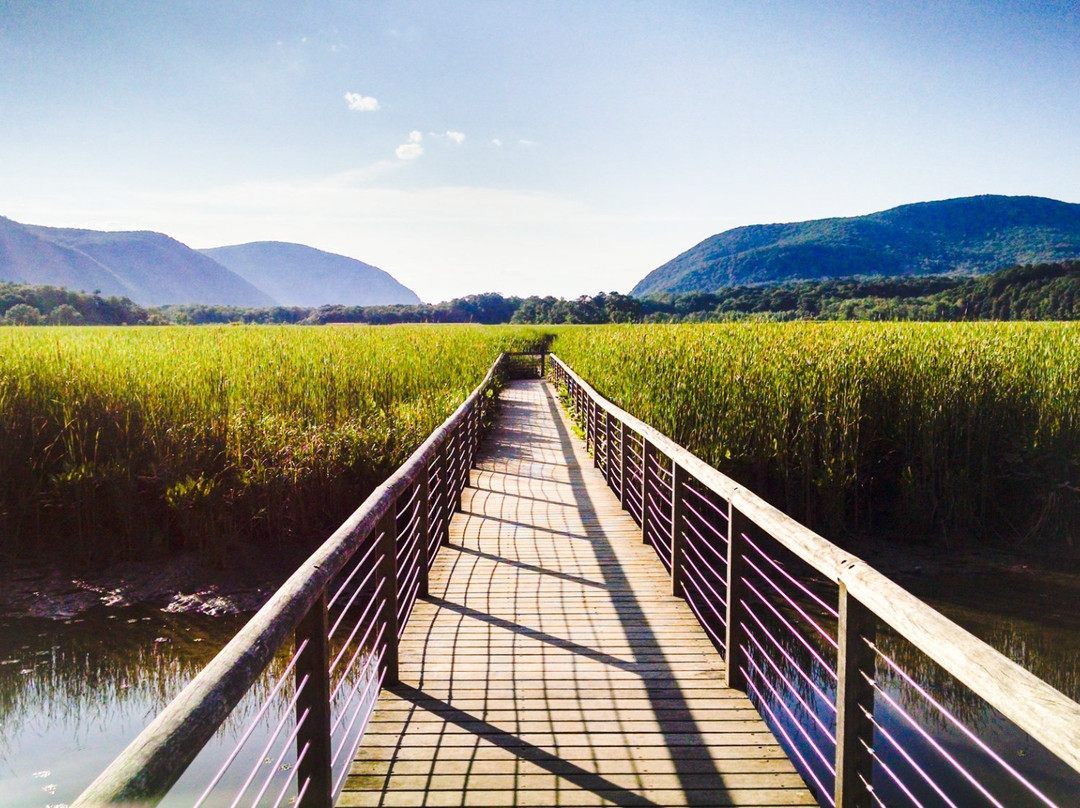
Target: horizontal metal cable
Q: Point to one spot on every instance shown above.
(361, 645)
(810, 680)
(794, 631)
(822, 603)
(363, 678)
(285, 749)
(302, 787)
(791, 744)
(410, 603)
(252, 724)
(705, 599)
(355, 595)
(803, 731)
(706, 523)
(717, 640)
(907, 756)
(721, 512)
(356, 568)
(791, 602)
(698, 576)
(885, 767)
(286, 713)
(721, 557)
(956, 722)
(829, 733)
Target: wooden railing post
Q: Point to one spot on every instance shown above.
(853, 728)
(608, 443)
(735, 640)
(424, 528)
(624, 454)
(679, 479)
(648, 452)
(442, 502)
(543, 369)
(388, 540)
(313, 706)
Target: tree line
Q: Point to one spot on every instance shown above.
(1030, 292)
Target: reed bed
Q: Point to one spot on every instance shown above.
(131, 442)
(926, 431)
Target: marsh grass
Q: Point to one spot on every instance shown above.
(129, 442)
(944, 431)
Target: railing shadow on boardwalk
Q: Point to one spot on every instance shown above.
(696, 773)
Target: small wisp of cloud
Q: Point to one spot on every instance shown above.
(411, 149)
(456, 137)
(361, 103)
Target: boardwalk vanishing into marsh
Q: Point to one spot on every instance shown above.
(550, 663)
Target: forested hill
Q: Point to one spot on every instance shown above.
(970, 235)
(1042, 292)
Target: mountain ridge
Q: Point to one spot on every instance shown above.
(298, 275)
(967, 234)
(147, 267)
(154, 269)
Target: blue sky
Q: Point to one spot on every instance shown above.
(543, 147)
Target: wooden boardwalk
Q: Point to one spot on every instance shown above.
(551, 665)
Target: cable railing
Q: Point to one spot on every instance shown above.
(845, 665)
(331, 632)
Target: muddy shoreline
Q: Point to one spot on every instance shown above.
(184, 584)
(1040, 589)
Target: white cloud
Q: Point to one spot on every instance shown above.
(411, 149)
(496, 142)
(457, 137)
(527, 143)
(361, 103)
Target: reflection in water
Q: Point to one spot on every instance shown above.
(914, 739)
(73, 694)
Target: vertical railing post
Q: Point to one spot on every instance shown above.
(648, 452)
(441, 501)
(425, 528)
(388, 538)
(455, 493)
(854, 731)
(313, 706)
(595, 409)
(624, 454)
(679, 479)
(735, 640)
(609, 431)
(543, 369)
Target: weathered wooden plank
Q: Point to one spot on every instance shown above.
(551, 664)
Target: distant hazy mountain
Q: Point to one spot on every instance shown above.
(974, 234)
(296, 275)
(150, 268)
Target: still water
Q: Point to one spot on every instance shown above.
(75, 692)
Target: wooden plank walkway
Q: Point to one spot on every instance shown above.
(550, 664)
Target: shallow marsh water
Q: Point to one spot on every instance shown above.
(75, 691)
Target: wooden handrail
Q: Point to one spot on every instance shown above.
(144, 772)
(1044, 713)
